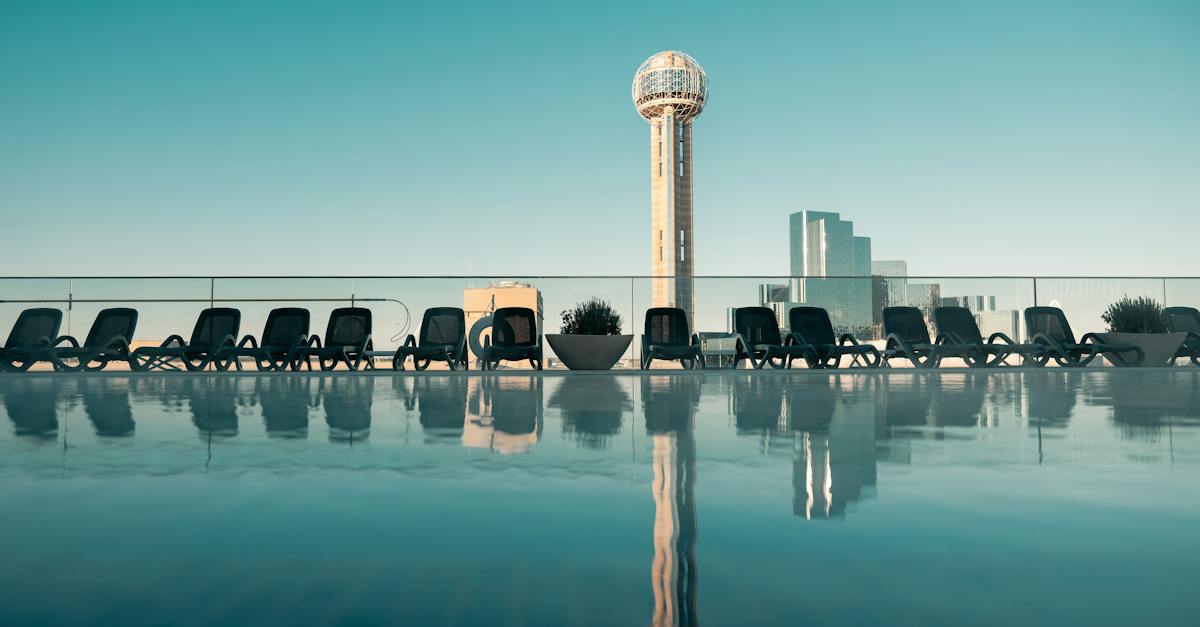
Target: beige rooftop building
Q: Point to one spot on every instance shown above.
(670, 90)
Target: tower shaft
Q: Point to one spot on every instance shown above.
(671, 213)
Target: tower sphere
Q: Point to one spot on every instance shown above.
(670, 79)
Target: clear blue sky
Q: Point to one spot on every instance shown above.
(233, 137)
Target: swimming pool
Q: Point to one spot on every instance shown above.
(903, 498)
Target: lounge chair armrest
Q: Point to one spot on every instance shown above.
(365, 344)
(847, 339)
(999, 335)
(66, 338)
(313, 341)
(115, 342)
(177, 339)
(798, 337)
(696, 340)
(248, 341)
(899, 342)
(410, 341)
(944, 338)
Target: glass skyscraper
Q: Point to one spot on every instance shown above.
(825, 253)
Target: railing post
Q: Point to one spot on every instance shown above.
(1035, 300)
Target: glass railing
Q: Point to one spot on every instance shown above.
(169, 305)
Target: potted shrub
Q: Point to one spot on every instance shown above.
(591, 336)
(1140, 321)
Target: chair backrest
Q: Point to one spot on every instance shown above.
(215, 324)
(348, 326)
(757, 324)
(667, 326)
(442, 326)
(112, 322)
(907, 323)
(813, 324)
(1182, 319)
(514, 327)
(1049, 320)
(285, 326)
(958, 321)
(32, 324)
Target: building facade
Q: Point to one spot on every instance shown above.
(831, 268)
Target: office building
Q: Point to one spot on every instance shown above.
(831, 267)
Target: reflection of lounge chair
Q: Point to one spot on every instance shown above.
(32, 406)
(811, 326)
(285, 402)
(757, 404)
(106, 403)
(1185, 320)
(959, 324)
(107, 341)
(442, 403)
(1048, 326)
(347, 340)
(215, 329)
(667, 336)
(443, 338)
(285, 332)
(757, 338)
(347, 402)
(29, 342)
(908, 338)
(514, 336)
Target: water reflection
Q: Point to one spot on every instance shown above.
(591, 408)
(504, 413)
(212, 401)
(106, 403)
(285, 402)
(821, 442)
(347, 402)
(32, 405)
(442, 405)
(669, 405)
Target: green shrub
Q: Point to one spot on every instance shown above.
(1135, 315)
(591, 317)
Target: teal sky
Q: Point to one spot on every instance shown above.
(395, 138)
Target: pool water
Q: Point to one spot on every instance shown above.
(732, 498)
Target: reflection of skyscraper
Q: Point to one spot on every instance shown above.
(669, 405)
(833, 459)
(669, 90)
(824, 245)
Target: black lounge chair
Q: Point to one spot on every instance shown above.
(32, 336)
(1048, 326)
(514, 336)
(285, 332)
(907, 337)
(1185, 320)
(757, 338)
(667, 336)
(959, 324)
(347, 340)
(215, 329)
(443, 337)
(811, 325)
(107, 341)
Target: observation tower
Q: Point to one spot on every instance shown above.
(669, 91)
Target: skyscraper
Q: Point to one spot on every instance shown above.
(824, 248)
(669, 90)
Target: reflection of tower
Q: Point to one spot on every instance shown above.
(673, 572)
(669, 90)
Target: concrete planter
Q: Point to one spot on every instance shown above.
(1158, 347)
(589, 352)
